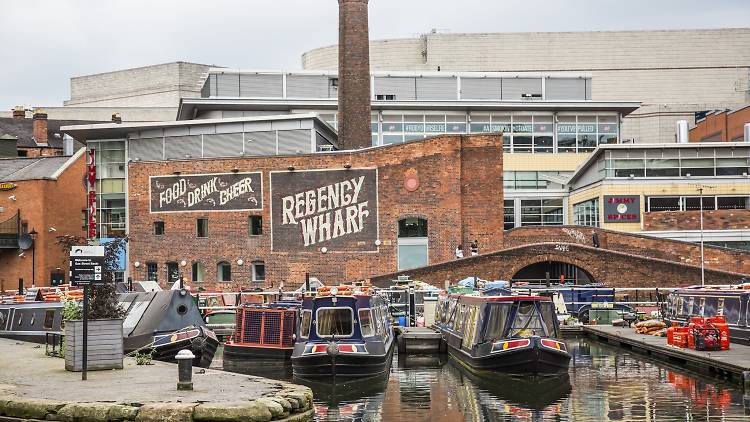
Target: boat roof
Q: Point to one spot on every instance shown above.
(501, 298)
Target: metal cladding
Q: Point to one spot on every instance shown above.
(354, 75)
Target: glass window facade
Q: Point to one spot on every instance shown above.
(586, 213)
(522, 132)
(412, 243)
(680, 163)
(509, 216)
(693, 203)
(534, 179)
(542, 212)
(110, 187)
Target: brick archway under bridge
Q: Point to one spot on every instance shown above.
(620, 260)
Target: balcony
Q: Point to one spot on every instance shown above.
(10, 229)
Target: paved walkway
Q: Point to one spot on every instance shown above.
(26, 372)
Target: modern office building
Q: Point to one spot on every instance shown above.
(685, 191)
(673, 73)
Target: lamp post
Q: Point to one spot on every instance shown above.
(182, 280)
(703, 270)
(33, 233)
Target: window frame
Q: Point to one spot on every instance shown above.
(252, 226)
(335, 308)
(197, 227)
(157, 225)
(370, 324)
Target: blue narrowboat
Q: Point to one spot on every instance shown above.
(343, 332)
(512, 334)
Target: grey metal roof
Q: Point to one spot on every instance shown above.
(18, 169)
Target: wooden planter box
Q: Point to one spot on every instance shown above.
(104, 345)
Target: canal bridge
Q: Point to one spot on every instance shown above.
(586, 254)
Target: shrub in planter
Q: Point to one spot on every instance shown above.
(105, 344)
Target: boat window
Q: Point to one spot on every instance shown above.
(304, 326)
(365, 322)
(702, 307)
(549, 317)
(527, 321)
(458, 322)
(710, 305)
(334, 322)
(731, 310)
(471, 327)
(496, 320)
(689, 310)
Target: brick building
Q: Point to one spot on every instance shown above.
(722, 126)
(34, 137)
(46, 195)
(420, 200)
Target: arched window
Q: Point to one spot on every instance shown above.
(224, 271)
(199, 272)
(412, 243)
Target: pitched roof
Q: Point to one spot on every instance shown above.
(18, 169)
(23, 129)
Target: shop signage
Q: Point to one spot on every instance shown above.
(7, 186)
(91, 170)
(622, 208)
(335, 209)
(207, 192)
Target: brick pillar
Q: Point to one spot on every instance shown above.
(19, 112)
(354, 75)
(40, 126)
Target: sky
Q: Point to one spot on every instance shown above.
(44, 43)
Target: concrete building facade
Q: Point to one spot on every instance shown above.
(674, 73)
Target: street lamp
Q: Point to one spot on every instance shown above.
(33, 234)
(183, 263)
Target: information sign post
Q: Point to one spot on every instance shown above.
(86, 268)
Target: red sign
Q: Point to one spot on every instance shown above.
(92, 194)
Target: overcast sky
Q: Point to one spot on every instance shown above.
(44, 43)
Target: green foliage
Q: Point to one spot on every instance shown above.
(59, 353)
(71, 310)
(144, 358)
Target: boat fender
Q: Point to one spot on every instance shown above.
(332, 349)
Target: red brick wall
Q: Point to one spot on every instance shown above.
(459, 193)
(44, 204)
(621, 260)
(721, 126)
(690, 220)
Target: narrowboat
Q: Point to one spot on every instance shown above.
(731, 302)
(165, 322)
(30, 321)
(263, 331)
(343, 332)
(512, 334)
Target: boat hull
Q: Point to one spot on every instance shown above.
(534, 359)
(344, 365)
(235, 351)
(203, 344)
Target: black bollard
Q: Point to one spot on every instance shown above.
(185, 369)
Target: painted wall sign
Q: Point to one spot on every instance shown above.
(622, 208)
(206, 192)
(335, 209)
(7, 186)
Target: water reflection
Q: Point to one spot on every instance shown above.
(603, 384)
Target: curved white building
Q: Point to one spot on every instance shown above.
(673, 73)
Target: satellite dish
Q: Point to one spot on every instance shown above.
(25, 241)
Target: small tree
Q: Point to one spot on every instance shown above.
(103, 303)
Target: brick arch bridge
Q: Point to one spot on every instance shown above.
(620, 259)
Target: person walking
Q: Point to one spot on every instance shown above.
(474, 248)
(459, 252)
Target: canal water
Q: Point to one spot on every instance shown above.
(603, 383)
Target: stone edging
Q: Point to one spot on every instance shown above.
(290, 404)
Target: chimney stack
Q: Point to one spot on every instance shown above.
(116, 118)
(40, 126)
(354, 75)
(19, 112)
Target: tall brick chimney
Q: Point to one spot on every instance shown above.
(354, 75)
(19, 112)
(40, 126)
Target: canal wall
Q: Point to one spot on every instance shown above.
(36, 387)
